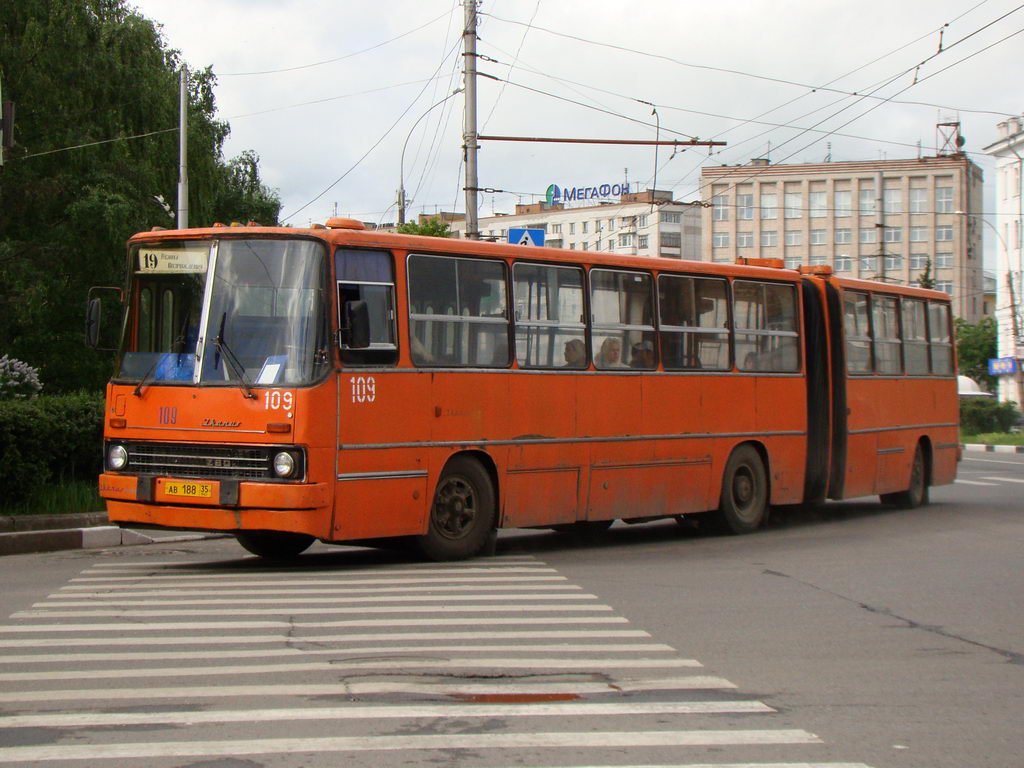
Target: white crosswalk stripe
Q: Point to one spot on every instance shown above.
(541, 666)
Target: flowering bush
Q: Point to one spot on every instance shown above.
(18, 380)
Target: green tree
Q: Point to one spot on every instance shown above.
(88, 76)
(926, 279)
(975, 344)
(432, 227)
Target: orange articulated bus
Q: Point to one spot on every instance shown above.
(347, 385)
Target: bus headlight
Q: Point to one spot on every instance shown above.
(284, 464)
(117, 457)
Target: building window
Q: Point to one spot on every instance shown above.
(868, 235)
(572, 246)
(843, 199)
(893, 234)
(556, 229)
(944, 233)
(671, 217)
(793, 262)
(744, 206)
(943, 260)
(720, 208)
(893, 262)
(866, 201)
(720, 240)
(611, 224)
(919, 234)
(625, 241)
(818, 259)
(794, 205)
(672, 239)
(598, 226)
(641, 241)
(610, 244)
(946, 286)
(844, 236)
(918, 200)
(892, 200)
(572, 227)
(868, 263)
(641, 221)
(769, 206)
(918, 261)
(843, 263)
(794, 237)
(818, 201)
(817, 237)
(584, 228)
(769, 238)
(943, 199)
(584, 246)
(744, 239)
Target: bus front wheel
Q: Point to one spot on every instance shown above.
(274, 545)
(744, 504)
(462, 515)
(917, 492)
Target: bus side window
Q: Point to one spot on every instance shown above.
(939, 338)
(623, 332)
(368, 276)
(885, 329)
(548, 304)
(694, 323)
(767, 336)
(915, 336)
(458, 312)
(857, 330)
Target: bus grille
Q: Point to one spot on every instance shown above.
(212, 461)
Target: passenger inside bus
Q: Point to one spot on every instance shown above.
(642, 356)
(575, 354)
(610, 355)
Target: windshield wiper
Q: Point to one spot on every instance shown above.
(159, 359)
(232, 359)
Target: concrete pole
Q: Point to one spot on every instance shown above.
(183, 151)
(469, 135)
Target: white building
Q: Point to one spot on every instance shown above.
(1008, 151)
(648, 223)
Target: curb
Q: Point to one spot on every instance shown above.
(33, 537)
(992, 448)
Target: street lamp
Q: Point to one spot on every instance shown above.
(401, 164)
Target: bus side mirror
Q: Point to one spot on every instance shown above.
(355, 332)
(92, 323)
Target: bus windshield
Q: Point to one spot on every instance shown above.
(226, 312)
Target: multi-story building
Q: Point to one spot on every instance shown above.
(648, 223)
(884, 220)
(1008, 151)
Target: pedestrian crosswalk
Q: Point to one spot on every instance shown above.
(499, 661)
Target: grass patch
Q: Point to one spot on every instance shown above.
(65, 498)
(995, 438)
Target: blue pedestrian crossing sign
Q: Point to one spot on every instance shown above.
(526, 236)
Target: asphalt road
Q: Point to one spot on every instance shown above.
(856, 635)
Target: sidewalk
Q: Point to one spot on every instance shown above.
(24, 534)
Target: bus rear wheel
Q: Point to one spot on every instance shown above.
(462, 515)
(274, 545)
(744, 504)
(916, 494)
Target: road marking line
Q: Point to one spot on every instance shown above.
(387, 637)
(460, 588)
(959, 481)
(235, 653)
(994, 461)
(142, 581)
(540, 709)
(336, 576)
(65, 602)
(497, 560)
(164, 626)
(362, 609)
(1005, 479)
(382, 661)
(466, 688)
(445, 741)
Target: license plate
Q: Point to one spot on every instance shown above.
(189, 490)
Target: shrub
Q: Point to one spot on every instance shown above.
(18, 380)
(980, 415)
(49, 439)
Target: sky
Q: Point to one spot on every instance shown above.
(345, 101)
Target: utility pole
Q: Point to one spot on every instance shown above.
(6, 126)
(183, 151)
(469, 136)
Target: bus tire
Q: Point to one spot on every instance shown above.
(274, 545)
(463, 513)
(744, 503)
(916, 494)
